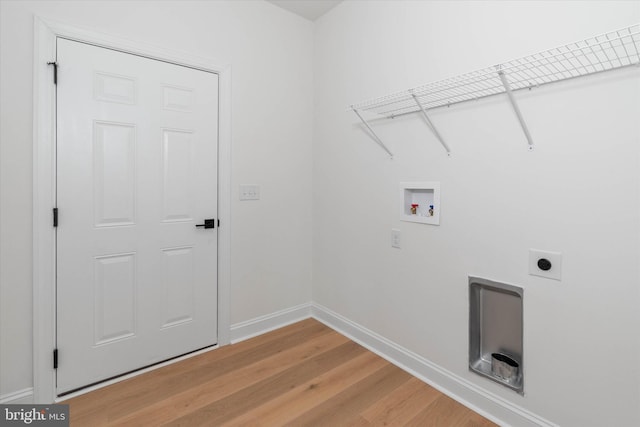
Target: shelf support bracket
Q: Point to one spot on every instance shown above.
(373, 134)
(430, 124)
(516, 109)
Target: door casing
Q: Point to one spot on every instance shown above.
(44, 185)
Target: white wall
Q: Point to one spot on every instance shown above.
(578, 193)
(270, 51)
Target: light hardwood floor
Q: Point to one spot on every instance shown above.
(304, 374)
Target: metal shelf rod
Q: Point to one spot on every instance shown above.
(373, 134)
(516, 109)
(431, 126)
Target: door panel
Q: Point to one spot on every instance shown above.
(137, 170)
(178, 283)
(178, 158)
(114, 148)
(115, 296)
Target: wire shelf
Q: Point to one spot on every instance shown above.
(612, 50)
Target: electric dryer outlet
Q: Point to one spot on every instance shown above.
(545, 264)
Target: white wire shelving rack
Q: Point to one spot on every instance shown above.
(604, 52)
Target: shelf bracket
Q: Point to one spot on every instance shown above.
(430, 124)
(516, 109)
(373, 134)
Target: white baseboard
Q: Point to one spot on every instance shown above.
(21, 397)
(260, 325)
(487, 404)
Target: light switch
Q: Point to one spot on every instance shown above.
(250, 192)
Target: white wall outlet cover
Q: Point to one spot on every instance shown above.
(545, 264)
(395, 238)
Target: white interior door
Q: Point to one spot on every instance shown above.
(137, 171)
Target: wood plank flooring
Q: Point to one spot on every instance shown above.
(304, 374)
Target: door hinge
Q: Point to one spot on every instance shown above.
(218, 223)
(55, 358)
(55, 71)
(55, 217)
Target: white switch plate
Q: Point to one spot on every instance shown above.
(555, 258)
(250, 192)
(395, 238)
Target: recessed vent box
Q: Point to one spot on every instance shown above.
(495, 332)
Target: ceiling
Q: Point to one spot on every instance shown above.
(310, 9)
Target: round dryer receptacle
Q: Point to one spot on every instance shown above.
(544, 264)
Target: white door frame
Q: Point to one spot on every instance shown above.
(44, 185)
